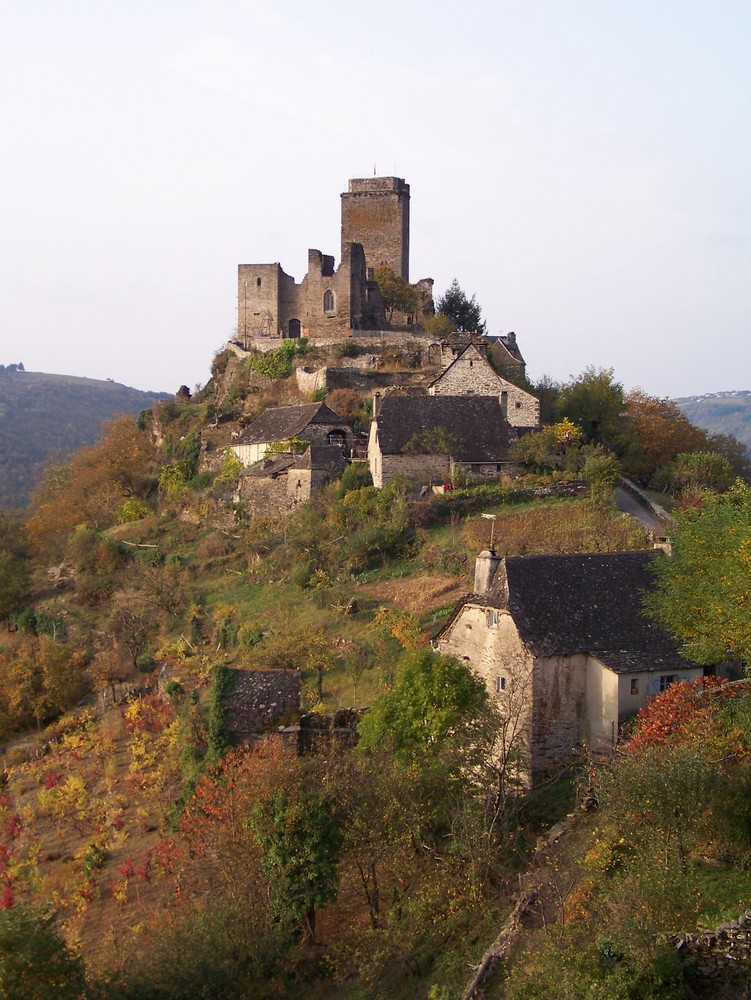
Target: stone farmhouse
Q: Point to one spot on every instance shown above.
(331, 302)
(469, 373)
(564, 649)
(314, 422)
(428, 439)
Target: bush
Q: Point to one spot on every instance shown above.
(278, 364)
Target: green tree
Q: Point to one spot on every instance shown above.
(298, 831)
(697, 470)
(465, 313)
(397, 293)
(35, 962)
(701, 593)
(595, 402)
(435, 699)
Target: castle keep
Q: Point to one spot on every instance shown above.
(331, 301)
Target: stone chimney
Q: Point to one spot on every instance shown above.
(376, 404)
(486, 566)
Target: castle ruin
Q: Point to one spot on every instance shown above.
(330, 302)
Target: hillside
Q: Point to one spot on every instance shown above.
(45, 418)
(721, 413)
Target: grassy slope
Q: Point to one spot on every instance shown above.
(108, 781)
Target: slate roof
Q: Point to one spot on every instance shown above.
(320, 456)
(282, 422)
(477, 422)
(270, 468)
(586, 604)
(261, 700)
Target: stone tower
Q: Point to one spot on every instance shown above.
(375, 213)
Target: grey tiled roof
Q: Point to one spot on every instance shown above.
(475, 422)
(261, 700)
(282, 422)
(587, 604)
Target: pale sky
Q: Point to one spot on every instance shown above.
(582, 166)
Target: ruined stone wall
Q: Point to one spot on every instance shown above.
(375, 213)
(263, 497)
(719, 960)
(321, 279)
(258, 300)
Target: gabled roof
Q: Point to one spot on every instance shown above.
(320, 456)
(282, 422)
(477, 355)
(586, 604)
(475, 422)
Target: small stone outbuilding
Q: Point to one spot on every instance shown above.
(278, 485)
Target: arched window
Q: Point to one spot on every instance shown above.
(328, 301)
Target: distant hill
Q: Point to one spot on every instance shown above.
(721, 413)
(44, 418)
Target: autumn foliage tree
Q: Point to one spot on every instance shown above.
(92, 487)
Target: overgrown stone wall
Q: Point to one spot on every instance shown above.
(720, 956)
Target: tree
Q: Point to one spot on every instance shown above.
(655, 431)
(397, 293)
(595, 402)
(465, 313)
(435, 699)
(696, 470)
(35, 963)
(298, 830)
(91, 488)
(701, 593)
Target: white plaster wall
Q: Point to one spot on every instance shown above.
(488, 642)
(603, 700)
(249, 454)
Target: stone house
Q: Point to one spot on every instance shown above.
(314, 422)
(467, 372)
(428, 439)
(280, 483)
(564, 649)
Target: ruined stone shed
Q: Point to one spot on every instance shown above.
(564, 648)
(277, 485)
(477, 435)
(261, 701)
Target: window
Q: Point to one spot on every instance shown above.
(634, 685)
(666, 680)
(518, 405)
(258, 282)
(493, 618)
(328, 301)
(500, 684)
